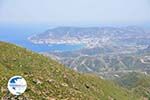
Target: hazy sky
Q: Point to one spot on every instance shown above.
(74, 11)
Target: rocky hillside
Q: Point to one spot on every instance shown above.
(49, 80)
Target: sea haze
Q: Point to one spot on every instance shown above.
(18, 35)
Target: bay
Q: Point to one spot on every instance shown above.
(18, 35)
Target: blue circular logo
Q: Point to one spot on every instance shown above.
(17, 85)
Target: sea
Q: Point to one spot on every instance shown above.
(18, 34)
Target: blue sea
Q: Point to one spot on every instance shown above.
(18, 35)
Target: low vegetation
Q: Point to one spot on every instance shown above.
(49, 80)
(136, 82)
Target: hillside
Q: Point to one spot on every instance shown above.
(49, 80)
(106, 64)
(136, 82)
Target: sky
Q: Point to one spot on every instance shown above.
(75, 11)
